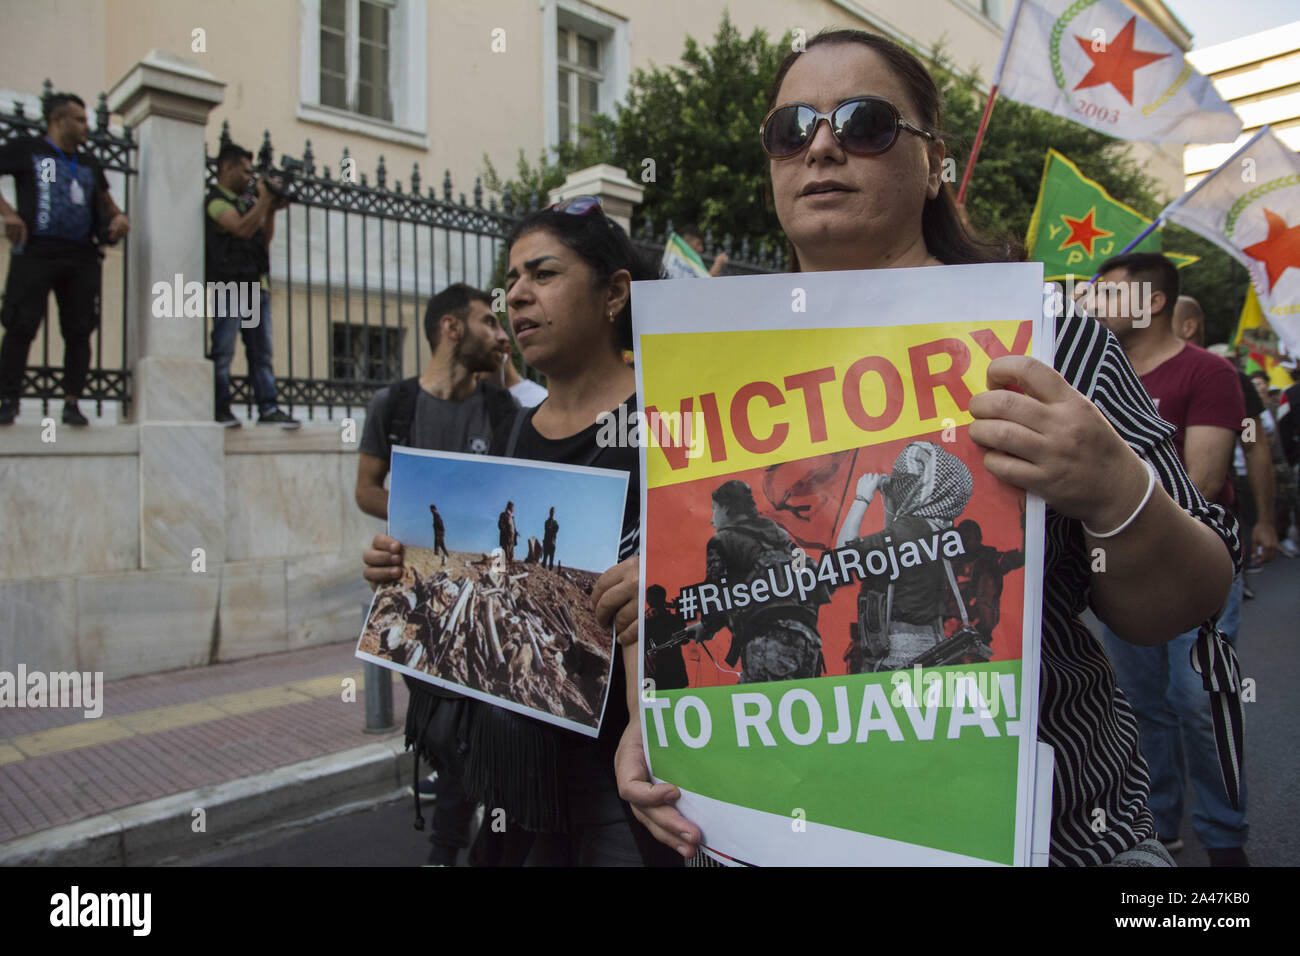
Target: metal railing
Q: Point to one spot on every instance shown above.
(356, 263)
(44, 378)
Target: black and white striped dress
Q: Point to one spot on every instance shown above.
(1082, 714)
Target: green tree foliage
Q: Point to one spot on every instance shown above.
(698, 121)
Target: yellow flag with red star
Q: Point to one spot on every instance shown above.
(1251, 207)
(1077, 225)
(1257, 345)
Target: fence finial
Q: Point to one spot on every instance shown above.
(478, 192)
(415, 178)
(381, 173)
(508, 200)
(308, 159)
(446, 185)
(265, 155)
(101, 114)
(224, 141)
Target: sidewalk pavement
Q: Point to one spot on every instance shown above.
(252, 743)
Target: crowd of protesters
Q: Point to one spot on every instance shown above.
(1123, 407)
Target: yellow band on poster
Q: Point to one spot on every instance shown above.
(722, 402)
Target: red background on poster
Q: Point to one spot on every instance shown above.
(679, 529)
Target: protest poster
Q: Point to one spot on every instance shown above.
(499, 559)
(841, 606)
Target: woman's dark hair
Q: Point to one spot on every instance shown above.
(598, 241)
(946, 235)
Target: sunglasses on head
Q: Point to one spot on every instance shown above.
(579, 205)
(863, 125)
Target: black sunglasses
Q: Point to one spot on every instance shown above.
(865, 125)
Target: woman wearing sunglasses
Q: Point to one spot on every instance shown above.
(856, 166)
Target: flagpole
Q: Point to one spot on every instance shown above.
(1161, 219)
(988, 104)
(1214, 172)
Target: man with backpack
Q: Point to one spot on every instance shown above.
(443, 409)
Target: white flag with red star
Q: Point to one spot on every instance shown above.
(1251, 207)
(1103, 66)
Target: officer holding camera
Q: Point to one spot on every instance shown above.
(238, 241)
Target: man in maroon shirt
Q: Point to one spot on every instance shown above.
(1255, 496)
(1200, 395)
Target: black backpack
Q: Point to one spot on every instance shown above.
(399, 409)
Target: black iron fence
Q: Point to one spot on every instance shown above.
(362, 259)
(109, 379)
(352, 265)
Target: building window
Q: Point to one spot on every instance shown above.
(361, 353)
(586, 54)
(354, 56)
(362, 67)
(578, 80)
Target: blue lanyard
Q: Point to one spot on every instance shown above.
(70, 161)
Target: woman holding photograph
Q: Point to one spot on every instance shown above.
(863, 190)
(568, 294)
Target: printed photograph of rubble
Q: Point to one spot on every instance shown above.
(499, 560)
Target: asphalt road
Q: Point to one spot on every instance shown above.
(1269, 649)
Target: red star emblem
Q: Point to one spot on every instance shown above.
(1280, 250)
(1116, 64)
(1083, 232)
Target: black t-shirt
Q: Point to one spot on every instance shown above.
(1254, 404)
(57, 193)
(581, 449)
(1288, 424)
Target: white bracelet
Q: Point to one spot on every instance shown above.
(1151, 486)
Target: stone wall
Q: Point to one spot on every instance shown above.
(282, 553)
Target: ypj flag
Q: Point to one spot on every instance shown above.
(1098, 63)
(1251, 207)
(1258, 343)
(681, 261)
(1077, 225)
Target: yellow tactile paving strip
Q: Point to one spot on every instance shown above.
(88, 733)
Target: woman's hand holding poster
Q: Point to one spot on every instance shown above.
(839, 646)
